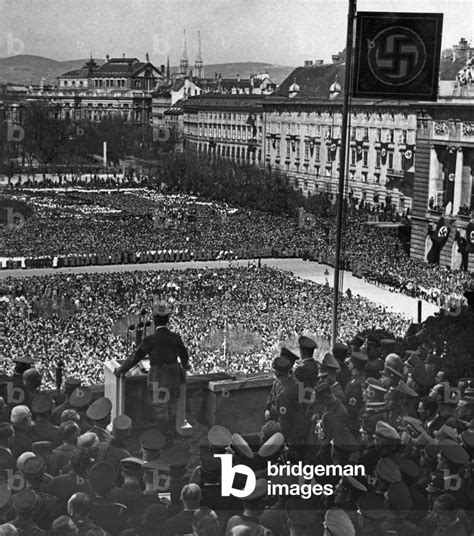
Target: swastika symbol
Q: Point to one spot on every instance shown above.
(451, 177)
(397, 55)
(384, 152)
(443, 231)
(408, 154)
(333, 148)
(471, 237)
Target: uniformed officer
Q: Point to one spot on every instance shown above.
(165, 377)
(80, 400)
(339, 352)
(47, 508)
(25, 503)
(401, 402)
(284, 404)
(42, 429)
(399, 502)
(307, 373)
(69, 387)
(99, 413)
(353, 391)
(371, 514)
(113, 451)
(130, 492)
(152, 443)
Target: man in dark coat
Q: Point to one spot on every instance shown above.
(165, 376)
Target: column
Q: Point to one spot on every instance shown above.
(434, 171)
(458, 181)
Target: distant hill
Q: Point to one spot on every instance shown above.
(28, 69)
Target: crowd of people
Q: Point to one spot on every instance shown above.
(378, 408)
(75, 315)
(76, 222)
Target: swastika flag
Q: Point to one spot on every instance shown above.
(397, 55)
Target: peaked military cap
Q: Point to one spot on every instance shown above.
(360, 355)
(42, 403)
(42, 448)
(330, 423)
(289, 355)
(71, 384)
(388, 471)
(447, 432)
(339, 523)
(273, 446)
(219, 436)
(388, 345)
(423, 377)
(80, 397)
(122, 423)
(376, 385)
(102, 476)
(25, 500)
(405, 390)
(467, 441)
(409, 469)
(152, 440)
(131, 465)
(281, 363)
(176, 457)
(340, 350)
(372, 506)
(329, 362)
(357, 341)
(454, 454)
(99, 409)
(432, 450)
(399, 497)
(34, 467)
(413, 426)
(344, 441)
(26, 359)
(306, 342)
(259, 492)
(301, 512)
(241, 447)
(354, 484)
(209, 462)
(268, 429)
(386, 431)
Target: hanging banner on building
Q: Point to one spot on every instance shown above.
(470, 237)
(333, 148)
(449, 175)
(359, 146)
(409, 157)
(397, 55)
(439, 236)
(383, 153)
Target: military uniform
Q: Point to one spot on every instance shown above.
(42, 429)
(99, 412)
(165, 376)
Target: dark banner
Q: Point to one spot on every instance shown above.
(409, 159)
(383, 153)
(397, 55)
(449, 175)
(359, 146)
(470, 237)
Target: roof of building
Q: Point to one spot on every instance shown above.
(225, 102)
(177, 108)
(121, 67)
(313, 81)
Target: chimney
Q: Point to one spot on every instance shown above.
(318, 62)
(308, 63)
(162, 67)
(147, 57)
(123, 55)
(215, 76)
(238, 77)
(107, 57)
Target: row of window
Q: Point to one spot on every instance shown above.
(239, 132)
(227, 151)
(334, 131)
(314, 151)
(227, 116)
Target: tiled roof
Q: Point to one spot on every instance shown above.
(314, 81)
(214, 101)
(177, 108)
(77, 73)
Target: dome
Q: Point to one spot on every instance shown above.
(335, 87)
(293, 89)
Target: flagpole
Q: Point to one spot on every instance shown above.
(342, 163)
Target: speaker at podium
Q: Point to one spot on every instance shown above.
(129, 396)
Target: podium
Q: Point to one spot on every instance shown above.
(129, 396)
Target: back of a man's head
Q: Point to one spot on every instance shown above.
(21, 416)
(206, 522)
(191, 496)
(69, 432)
(63, 526)
(81, 461)
(8, 530)
(79, 505)
(31, 378)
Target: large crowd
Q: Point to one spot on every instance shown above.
(110, 222)
(75, 315)
(379, 408)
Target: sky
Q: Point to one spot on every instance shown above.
(283, 32)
